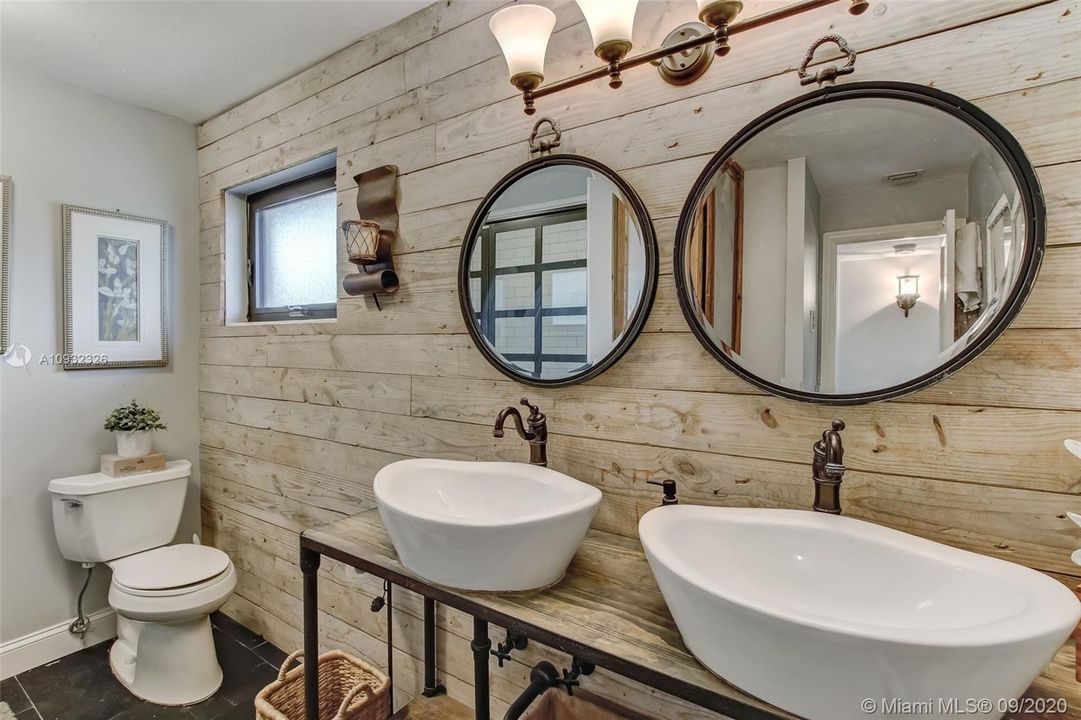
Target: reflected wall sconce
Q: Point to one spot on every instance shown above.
(523, 31)
(908, 292)
(368, 241)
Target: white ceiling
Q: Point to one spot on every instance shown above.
(858, 142)
(193, 59)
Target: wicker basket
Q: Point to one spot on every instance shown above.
(349, 689)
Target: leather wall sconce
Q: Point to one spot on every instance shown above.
(369, 239)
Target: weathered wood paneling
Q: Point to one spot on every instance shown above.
(298, 418)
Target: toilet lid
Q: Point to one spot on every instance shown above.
(169, 567)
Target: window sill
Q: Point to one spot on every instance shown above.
(247, 323)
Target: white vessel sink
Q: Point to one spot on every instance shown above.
(492, 526)
(817, 613)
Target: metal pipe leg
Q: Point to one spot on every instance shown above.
(309, 565)
(431, 687)
(390, 641)
(482, 646)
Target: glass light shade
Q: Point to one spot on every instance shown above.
(361, 240)
(610, 21)
(908, 292)
(522, 32)
(908, 285)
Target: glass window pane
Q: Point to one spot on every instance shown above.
(297, 252)
(565, 241)
(556, 370)
(476, 255)
(526, 365)
(565, 288)
(474, 293)
(564, 335)
(514, 247)
(514, 292)
(514, 335)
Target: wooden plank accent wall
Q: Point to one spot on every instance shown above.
(297, 418)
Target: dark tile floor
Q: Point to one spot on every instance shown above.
(82, 687)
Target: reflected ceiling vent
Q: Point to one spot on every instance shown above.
(900, 178)
(904, 248)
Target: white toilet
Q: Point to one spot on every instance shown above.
(162, 594)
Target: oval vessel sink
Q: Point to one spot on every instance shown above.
(818, 613)
(491, 526)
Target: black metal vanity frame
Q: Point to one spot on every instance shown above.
(1000, 138)
(311, 552)
(649, 286)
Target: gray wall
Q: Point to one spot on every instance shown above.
(63, 145)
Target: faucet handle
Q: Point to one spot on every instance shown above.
(534, 410)
(834, 450)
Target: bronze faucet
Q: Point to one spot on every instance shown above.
(536, 436)
(828, 468)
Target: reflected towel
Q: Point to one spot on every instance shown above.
(966, 266)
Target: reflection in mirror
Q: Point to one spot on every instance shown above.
(852, 246)
(560, 272)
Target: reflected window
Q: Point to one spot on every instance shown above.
(529, 287)
(557, 272)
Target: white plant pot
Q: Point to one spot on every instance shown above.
(133, 443)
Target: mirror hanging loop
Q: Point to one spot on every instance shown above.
(829, 74)
(539, 143)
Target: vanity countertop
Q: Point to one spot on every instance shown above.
(607, 607)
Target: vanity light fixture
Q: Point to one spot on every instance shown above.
(610, 23)
(523, 32)
(908, 292)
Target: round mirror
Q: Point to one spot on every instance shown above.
(558, 271)
(859, 242)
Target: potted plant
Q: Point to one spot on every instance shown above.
(133, 424)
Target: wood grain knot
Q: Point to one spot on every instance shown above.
(938, 430)
(768, 420)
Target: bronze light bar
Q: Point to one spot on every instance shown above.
(719, 35)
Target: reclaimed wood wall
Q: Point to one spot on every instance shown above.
(297, 418)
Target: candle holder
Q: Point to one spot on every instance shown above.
(368, 241)
(361, 240)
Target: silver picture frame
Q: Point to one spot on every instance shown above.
(152, 347)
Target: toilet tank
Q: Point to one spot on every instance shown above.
(98, 518)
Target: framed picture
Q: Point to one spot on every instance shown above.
(5, 274)
(114, 290)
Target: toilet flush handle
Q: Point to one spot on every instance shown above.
(71, 503)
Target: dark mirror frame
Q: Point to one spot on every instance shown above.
(1000, 138)
(649, 286)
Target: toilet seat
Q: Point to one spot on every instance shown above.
(171, 583)
(174, 604)
(169, 570)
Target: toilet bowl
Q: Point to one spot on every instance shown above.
(162, 594)
(164, 651)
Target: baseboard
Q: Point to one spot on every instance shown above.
(52, 643)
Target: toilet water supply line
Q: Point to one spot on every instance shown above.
(81, 623)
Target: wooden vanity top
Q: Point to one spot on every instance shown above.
(607, 609)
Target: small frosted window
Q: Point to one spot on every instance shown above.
(297, 252)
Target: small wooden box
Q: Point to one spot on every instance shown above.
(116, 466)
